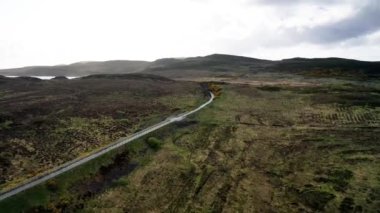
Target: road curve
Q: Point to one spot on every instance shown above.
(79, 161)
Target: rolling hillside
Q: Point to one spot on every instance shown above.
(79, 69)
(212, 65)
(228, 65)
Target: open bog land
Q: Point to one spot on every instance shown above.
(304, 140)
(47, 123)
(263, 149)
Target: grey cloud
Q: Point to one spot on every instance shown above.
(294, 2)
(364, 22)
(351, 31)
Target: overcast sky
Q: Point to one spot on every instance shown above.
(49, 32)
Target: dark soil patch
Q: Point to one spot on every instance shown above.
(106, 175)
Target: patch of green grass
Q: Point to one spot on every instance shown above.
(6, 125)
(270, 88)
(44, 193)
(154, 143)
(316, 199)
(338, 178)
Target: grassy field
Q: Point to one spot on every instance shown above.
(256, 148)
(263, 149)
(70, 190)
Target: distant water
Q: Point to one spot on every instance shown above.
(44, 77)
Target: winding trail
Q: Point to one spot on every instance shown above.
(79, 161)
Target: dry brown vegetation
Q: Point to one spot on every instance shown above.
(46, 123)
(262, 149)
(287, 144)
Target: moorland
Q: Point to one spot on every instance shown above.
(297, 135)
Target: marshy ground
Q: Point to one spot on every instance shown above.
(264, 149)
(256, 148)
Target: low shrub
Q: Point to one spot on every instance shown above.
(315, 199)
(270, 88)
(52, 185)
(347, 205)
(154, 143)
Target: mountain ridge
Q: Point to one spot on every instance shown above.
(214, 63)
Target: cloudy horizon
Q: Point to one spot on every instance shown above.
(51, 32)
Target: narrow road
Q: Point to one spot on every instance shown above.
(79, 161)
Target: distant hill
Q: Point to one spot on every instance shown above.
(211, 65)
(80, 69)
(133, 76)
(329, 67)
(216, 62)
(219, 65)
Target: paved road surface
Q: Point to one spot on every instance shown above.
(79, 161)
